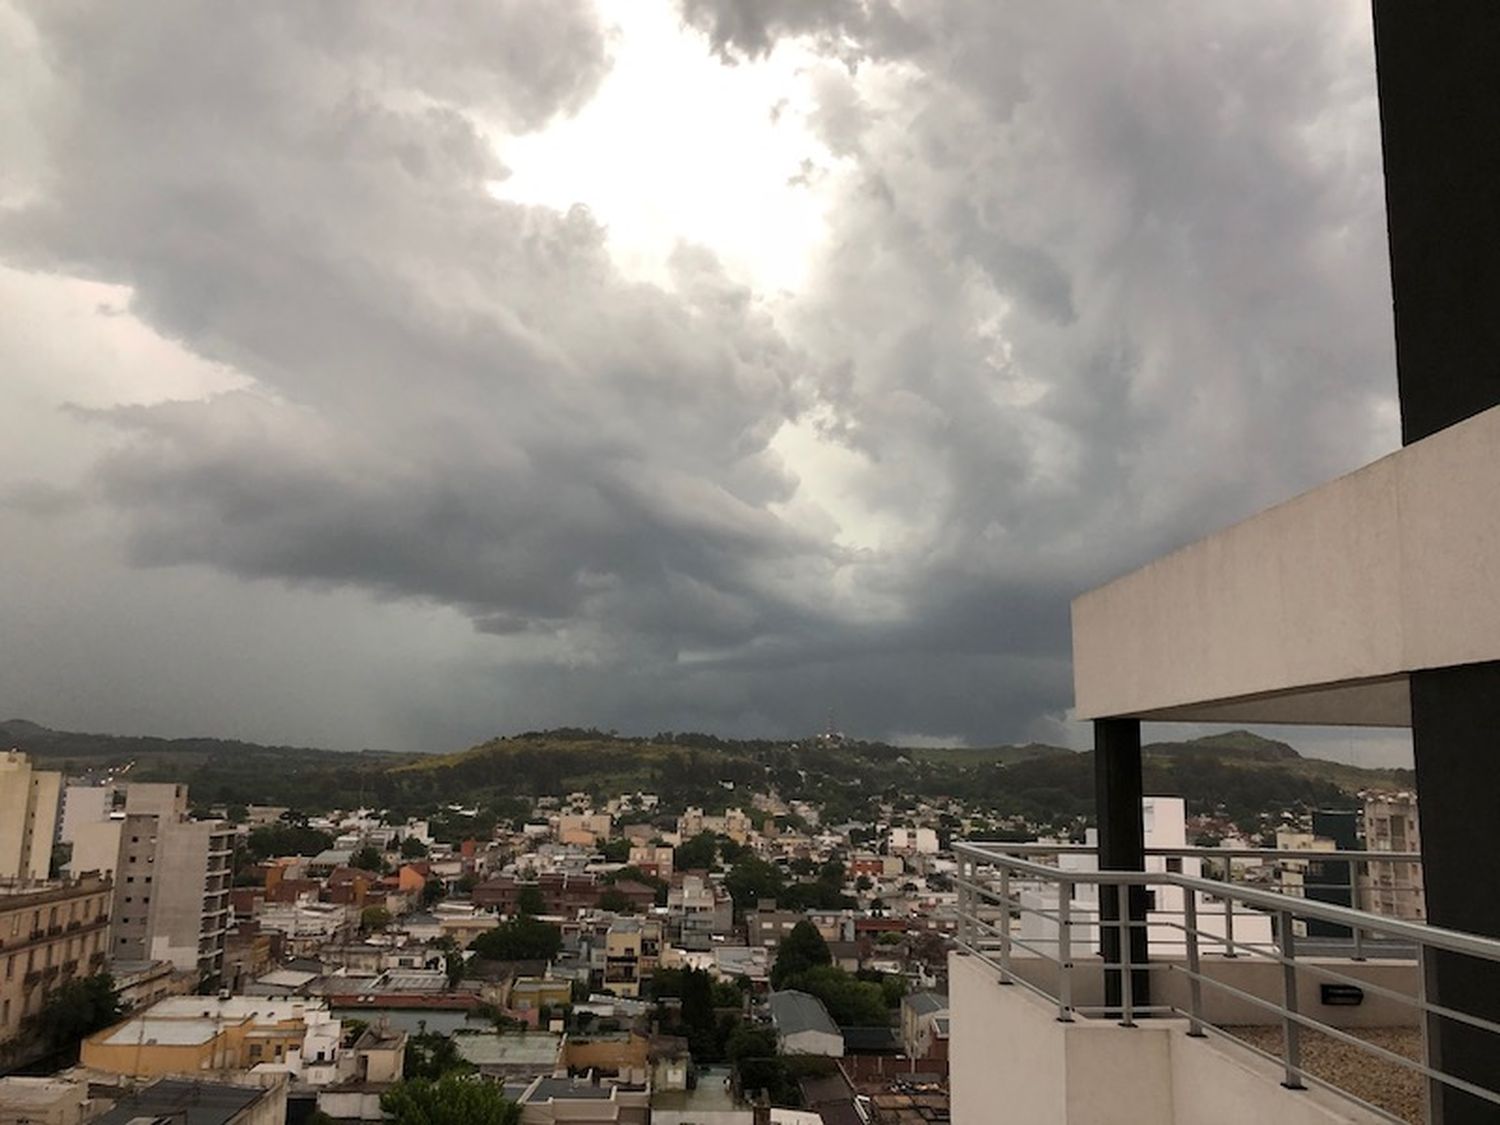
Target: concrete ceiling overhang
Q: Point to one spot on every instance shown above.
(1316, 610)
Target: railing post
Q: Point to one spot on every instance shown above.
(1004, 925)
(965, 902)
(1195, 984)
(1291, 1030)
(1359, 931)
(1229, 925)
(1127, 974)
(1065, 951)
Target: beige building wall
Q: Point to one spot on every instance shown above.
(84, 804)
(48, 937)
(1315, 610)
(28, 817)
(171, 882)
(96, 847)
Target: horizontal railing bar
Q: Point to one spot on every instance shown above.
(1034, 848)
(1432, 936)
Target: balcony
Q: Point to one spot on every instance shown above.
(1221, 995)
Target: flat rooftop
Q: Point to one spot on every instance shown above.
(535, 1048)
(712, 1094)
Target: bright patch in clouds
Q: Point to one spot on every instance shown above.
(679, 147)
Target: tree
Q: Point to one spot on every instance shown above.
(702, 851)
(453, 963)
(850, 1002)
(430, 1055)
(412, 848)
(453, 1099)
(373, 918)
(752, 879)
(432, 890)
(616, 901)
(368, 858)
(77, 1010)
(529, 903)
(615, 851)
(802, 949)
(286, 839)
(519, 939)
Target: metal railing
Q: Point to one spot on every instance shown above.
(1000, 885)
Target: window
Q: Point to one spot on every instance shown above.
(10, 967)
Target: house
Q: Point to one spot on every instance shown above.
(584, 1100)
(924, 1025)
(189, 1102)
(803, 1026)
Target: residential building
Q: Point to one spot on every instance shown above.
(766, 925)
(28, 817)
(632, 948)
(803, 1026)
(924, 1025)
(188, 1034)
(171, 882)
(194, 1102)
(653, 859)
(699, 910)
(84, 804)
(43, 1101)
(1393, 887)
(49, 934)
(584, 1100)
(587, 828)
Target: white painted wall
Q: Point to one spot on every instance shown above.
(1011, 1060)
(1389, 569)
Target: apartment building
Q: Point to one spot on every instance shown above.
(29, 801)
(698, 911)
(48, 936)
(172, 877)
(1393, 887)
(632, 948)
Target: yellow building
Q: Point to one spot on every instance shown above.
(29, 801)
(188, 1034)
(49, 935)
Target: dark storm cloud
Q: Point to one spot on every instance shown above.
(1093, 287)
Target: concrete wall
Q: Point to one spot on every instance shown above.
(1386, 570)
(1258, 977)
(1012, 1060)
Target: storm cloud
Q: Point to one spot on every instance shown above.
(1094, 283)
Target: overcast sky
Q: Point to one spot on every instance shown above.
(389, 375)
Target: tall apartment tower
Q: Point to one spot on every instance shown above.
(172, 880)
(28, 817)
(1394, 887)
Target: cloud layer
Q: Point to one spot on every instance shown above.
(1091, 287)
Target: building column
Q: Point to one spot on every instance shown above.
(1118, 789)
(1456, 742)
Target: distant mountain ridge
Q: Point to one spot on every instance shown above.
(1236, 772)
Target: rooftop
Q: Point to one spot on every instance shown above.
(534, 1048)
(793, 1011)
(184, 1103)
